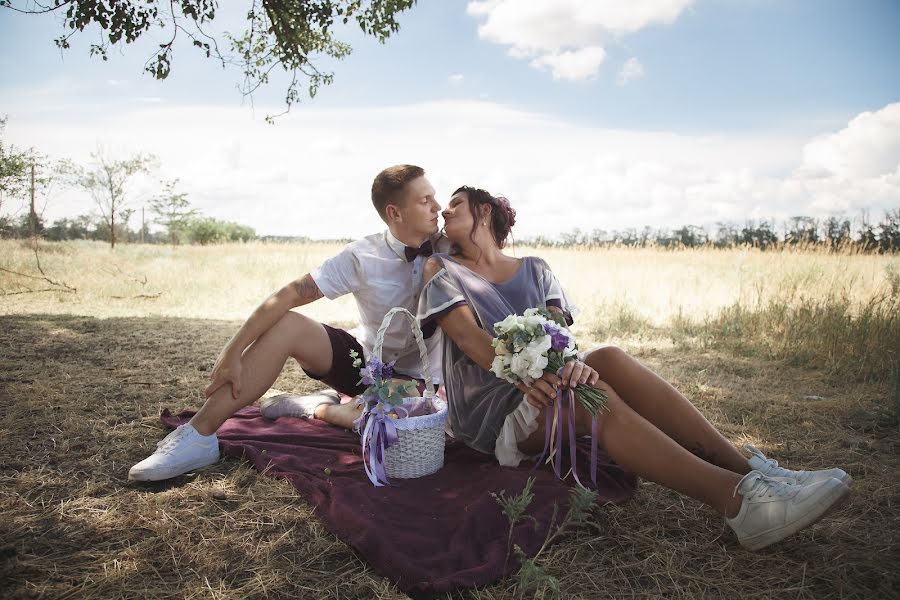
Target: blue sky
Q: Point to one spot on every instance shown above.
(733, 109)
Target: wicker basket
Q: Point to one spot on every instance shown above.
(419, 450)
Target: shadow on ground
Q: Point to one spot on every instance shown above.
(79, 403)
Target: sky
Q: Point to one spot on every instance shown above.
(595, 114)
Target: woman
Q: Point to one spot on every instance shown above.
(649, 428)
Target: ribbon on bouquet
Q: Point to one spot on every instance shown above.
(553, 438)
(378, 433)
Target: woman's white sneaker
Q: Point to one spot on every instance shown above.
(773, 509)
(769, 467)
(181, 451)
(293, 405)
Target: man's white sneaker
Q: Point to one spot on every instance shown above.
(769, 467)
(773, 509)
(292, 405)
(181, 451)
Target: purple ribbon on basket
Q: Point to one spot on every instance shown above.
(378, 433)
(548, 438)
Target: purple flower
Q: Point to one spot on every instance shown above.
(387, 371)
(559, 341)
(365, 375)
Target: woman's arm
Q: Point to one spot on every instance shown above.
(459, 323)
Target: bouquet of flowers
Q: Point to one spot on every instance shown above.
(534, 343)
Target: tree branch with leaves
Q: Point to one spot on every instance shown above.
(289, 34)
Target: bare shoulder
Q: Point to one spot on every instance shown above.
(432, 267)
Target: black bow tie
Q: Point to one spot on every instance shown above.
(423, 250)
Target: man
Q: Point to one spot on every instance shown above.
(382, 271)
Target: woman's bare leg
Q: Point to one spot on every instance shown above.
(294, 336)
(658, 402)
(638, 446)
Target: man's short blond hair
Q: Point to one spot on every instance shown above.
(388, 186)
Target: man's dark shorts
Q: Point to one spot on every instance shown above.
(342, 376)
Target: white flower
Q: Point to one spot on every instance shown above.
(510, 323)
(521, 365)
(539, 345)
(537, 367)
(499, 367)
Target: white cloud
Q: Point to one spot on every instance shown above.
(574, 65)
(867, 147)
(456, 78)
(631, 70)
(541, 30)
(294, 177)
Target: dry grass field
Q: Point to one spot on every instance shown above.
(794, 352)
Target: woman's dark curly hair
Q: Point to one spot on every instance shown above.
(503, 216)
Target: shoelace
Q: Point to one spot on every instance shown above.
(771, 464)
(763, 486)
(166, 444)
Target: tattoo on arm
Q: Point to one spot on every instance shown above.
(307, 289)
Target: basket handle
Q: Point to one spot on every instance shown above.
(420, 342)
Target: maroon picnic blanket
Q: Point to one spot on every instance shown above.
(431, 534)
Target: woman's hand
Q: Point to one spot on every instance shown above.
(543, 392)
(576, 372)
(226, 370)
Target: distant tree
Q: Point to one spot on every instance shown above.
(24, 174)
(691, 236)
(761, 235)
(105, 180)
(867, 239)
(889, 231)
(727, 235)
(207, 230)
(173, 211)
(277, 33)
(802, 230)
(836, 232)
(14, 169)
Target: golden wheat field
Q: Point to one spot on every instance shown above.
(795, 352)
(654, 286)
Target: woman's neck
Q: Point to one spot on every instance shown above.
(481, 252)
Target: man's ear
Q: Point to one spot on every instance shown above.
(392, 213)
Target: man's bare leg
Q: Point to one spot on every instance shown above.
(658, 402)
(294, 336)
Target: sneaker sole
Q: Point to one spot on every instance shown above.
(768, 538)
(147, 476)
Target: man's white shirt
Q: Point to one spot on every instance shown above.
(375, 270)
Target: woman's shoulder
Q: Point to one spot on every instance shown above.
(537, 261)
(434, 265)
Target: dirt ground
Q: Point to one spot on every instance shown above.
(80, 399)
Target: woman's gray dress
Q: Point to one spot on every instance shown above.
(479, 402)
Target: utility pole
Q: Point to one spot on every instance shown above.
(31, 216)
(142, 224)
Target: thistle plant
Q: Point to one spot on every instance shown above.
(531, 577)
